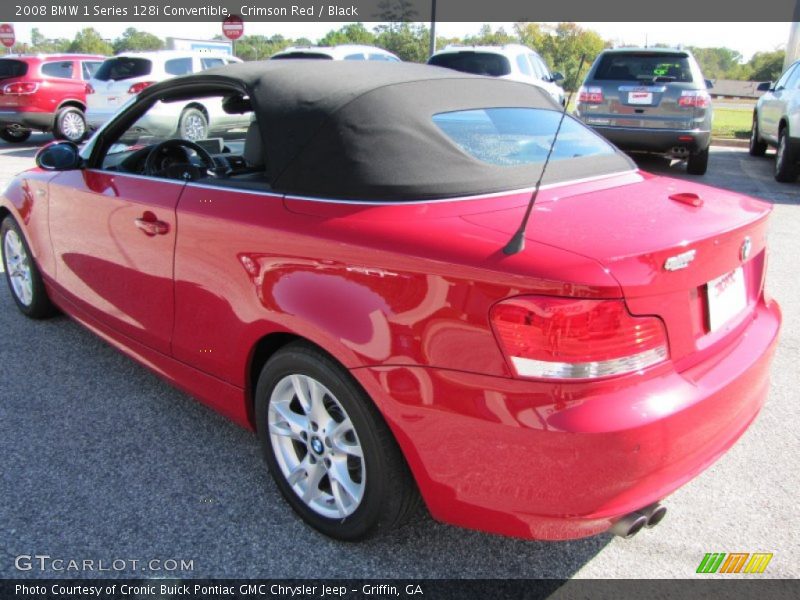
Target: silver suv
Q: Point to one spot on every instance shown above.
(776, 121)
(650, 100)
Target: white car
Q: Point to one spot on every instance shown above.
(123, 76)
(342, 52)
(776, 122)
(511, 61)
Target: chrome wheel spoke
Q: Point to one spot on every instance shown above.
(315, 475)
(288, 422)
(343, 439)
(346, 492)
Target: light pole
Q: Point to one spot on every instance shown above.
(432, 46)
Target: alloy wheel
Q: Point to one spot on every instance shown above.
(316, 446)
(73, 126)
(19, 268)
(194, 128)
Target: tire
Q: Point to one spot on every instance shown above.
(758, 147)
(309, 446)
(697, 163)
(22, 274)
(15, 135)
(193, 125)
(785, 159)
(70, 125)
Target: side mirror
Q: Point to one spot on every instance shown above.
(709, 84)
(59, 156)
(557, 76)
(765, 86)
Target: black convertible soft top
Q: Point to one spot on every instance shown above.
(364, 130)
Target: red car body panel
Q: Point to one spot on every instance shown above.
(400, 294)
(38, 110)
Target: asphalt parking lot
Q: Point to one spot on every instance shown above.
(103, 460)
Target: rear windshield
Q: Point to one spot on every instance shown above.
(644, 66)
(12, 68)
(123, 67)
(303, 55)
(478, 63)
(519, 136)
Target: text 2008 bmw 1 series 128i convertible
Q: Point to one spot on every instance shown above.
(334, 272)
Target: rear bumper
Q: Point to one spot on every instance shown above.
(654, 140)
(26, 119)
(544, 461)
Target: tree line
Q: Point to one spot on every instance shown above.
(561, 46)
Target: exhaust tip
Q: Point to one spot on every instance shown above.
(655, 516)
(629, 525)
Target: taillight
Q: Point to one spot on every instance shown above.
(590, 95)
(20, 88)
(89, 89)
(570, 338)
(138, 87)
(694, 99)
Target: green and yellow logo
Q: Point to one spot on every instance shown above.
(735, 562)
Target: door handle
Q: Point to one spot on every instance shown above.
(150, 224)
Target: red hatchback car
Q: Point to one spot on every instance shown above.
(45, 92)
(334, 278)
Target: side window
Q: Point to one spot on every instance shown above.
(178, 66)
(210, 63)
(542, 67)
(89, 68)
(62, 69)
(358, 56)
(522, 63)
(227, 135)
(537, 71)
(794, 81)
(785, 77)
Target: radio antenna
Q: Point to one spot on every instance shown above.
(517, 241)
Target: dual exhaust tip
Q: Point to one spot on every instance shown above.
(631, 524)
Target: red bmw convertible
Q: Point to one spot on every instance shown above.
(336, 276)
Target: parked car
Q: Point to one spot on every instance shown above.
(124, 76)
(44, 92)
(776, 122)
(341, 52)
(337, 278)
(650, 100)
(511, 61)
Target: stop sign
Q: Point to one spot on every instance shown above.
(233, 27)
(7, 35)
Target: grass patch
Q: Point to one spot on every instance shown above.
(732, 123)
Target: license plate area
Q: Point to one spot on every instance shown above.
(641, 98)
(727, 298)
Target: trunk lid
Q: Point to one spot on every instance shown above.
(634, 230)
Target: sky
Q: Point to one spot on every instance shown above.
(746, 38)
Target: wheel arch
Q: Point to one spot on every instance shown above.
(72, 102)
(199, 106)
(267, 346)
